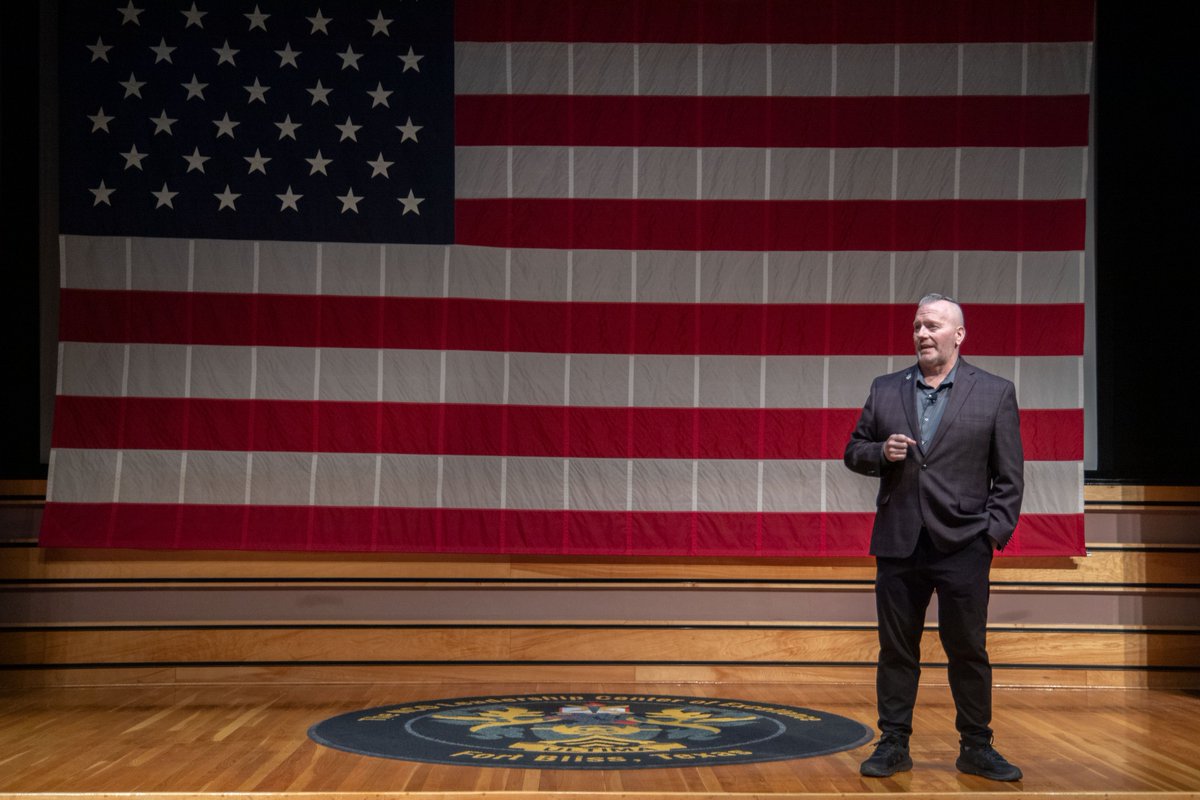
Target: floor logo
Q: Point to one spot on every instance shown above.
(590, 731)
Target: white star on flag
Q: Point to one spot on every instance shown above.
(195, 160)
(410, 61)
(318, 164)
(320, 23)
(227, 199)
(287, 128)
(411, 203)
(349, 201)
(225, 54)
(195, 88)
(320, 94)
(288, 56)
(163, 123)
(258, 162)
(100, 121)
(257, 19)
(349, 130)
(102, 193)
(289, 200)
(380, 167)
(379, 25)
(379, 96)
(133, 87)
(99, 50)
(408, 131)
(133, 159)
(258, 92)
(130, 14)
(194, 17)
(162, 52)
(349, 58)
(164, 196)
(225, 126)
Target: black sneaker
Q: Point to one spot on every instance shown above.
(983, 760)
(890, 756)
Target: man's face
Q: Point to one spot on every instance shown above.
(937, 332)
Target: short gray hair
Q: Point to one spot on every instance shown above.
(934, 297)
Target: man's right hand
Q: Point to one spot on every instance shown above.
(896, 447)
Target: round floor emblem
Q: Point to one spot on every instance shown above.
(590, 731)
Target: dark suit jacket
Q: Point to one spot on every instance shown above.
(970, 479)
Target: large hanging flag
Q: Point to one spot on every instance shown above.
(550, 276)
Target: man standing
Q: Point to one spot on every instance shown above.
(944, 439)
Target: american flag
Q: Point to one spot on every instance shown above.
(566, 277)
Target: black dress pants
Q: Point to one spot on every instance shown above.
(903, 588)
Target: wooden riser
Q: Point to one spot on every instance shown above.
(1111, 566)
(629, 643)
(605, 674)
(488, 794)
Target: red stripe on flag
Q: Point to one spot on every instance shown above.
(158, 423)
(1059, 432)
(591, 224)
(101, 315)
(670, 121)
(658, 533)
(1047, 535)
(781, 21)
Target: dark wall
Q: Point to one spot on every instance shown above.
(20, 451)
(1146, 145)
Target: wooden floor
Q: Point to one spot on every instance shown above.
(229, 740)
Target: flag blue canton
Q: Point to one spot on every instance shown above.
(268, 120)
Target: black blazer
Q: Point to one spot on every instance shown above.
(968, 481)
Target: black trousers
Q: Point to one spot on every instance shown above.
(903, 588)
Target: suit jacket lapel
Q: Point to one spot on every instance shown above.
(908, 402)
(964, 382)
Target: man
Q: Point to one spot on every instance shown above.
(944, 439)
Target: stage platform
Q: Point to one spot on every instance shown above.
(249, 740)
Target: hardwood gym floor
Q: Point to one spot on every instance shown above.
(208, 740)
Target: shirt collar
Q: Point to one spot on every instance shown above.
(947, 381)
